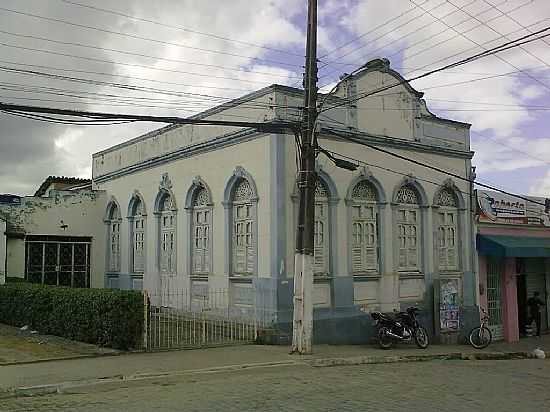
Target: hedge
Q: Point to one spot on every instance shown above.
(104, 317)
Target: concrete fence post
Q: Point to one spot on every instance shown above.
(145, 320)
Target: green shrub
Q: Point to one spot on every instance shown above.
(14, 279)
(105, 317)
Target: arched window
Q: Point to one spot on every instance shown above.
(321, 243)
(167, 235)
(201, 232)
(408, 228)
(364, 228)
(113, 221)
(447, 229)
(136, 219)
(244, 229)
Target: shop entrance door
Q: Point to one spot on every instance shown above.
(494, 270)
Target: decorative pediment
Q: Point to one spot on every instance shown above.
(165, 182)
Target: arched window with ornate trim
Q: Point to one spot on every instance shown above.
(408, 228)
(244, 229)
(321, 243)
(201, 232)
(137, 219)
(447, 229)
(167, 234)
(113, 221)
(364, 228)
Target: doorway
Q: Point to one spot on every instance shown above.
(494, 271)
(523, 315)
(58, 260)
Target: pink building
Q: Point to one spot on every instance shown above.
(513, 244)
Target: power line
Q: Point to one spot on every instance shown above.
(349, 137)
(355, 39)
(265, 126)
(377, 38)
(148, 56)
(430, 48)
(19, 47)
(387, 169)
(138, 88)
(479, 45)
(469, 49)
(133, 36)
(215, 36)
(512, 148)
(504, 35)
(505, 46)
(202, 86)
(507, 14)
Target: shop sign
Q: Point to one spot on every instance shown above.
(496, 207)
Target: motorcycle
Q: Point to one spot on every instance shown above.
(401, 327)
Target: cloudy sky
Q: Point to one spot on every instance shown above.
(222, 49)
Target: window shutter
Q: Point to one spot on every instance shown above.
(320, 249)
(356, 248)
(370, 246)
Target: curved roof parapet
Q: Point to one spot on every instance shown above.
(382, 64)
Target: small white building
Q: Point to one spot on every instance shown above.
(208, 207)
(56, 237)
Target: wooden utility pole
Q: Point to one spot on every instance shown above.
(306, 180)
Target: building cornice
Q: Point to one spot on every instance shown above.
(397, 142)
(215, 143)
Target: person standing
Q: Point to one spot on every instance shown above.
(534, 303)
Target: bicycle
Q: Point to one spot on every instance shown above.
(480, 337)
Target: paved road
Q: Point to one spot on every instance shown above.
(424, 386)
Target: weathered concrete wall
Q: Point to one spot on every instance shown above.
(2, 251)
(81, 212)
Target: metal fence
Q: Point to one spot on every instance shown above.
(179, 319)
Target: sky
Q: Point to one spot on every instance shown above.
(216, 50)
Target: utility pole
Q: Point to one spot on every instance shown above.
(306, 180)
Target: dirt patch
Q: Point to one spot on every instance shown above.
(20, 346)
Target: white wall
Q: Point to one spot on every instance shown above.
(215, 168)
(82, 212)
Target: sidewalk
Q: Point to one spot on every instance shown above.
(136, 366)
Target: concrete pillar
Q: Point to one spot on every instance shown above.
(509, 302)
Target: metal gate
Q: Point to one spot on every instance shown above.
(58, 260)
(494, 269)
(191, 321)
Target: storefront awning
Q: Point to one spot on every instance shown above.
(513, 246)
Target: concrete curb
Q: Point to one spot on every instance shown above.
(55, 388)
(61, 387)
(64, 358)
(365, 360)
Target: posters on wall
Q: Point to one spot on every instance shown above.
(449, 305)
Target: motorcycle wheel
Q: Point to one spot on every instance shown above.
(384, 340)
(421, 338)
(480, 338)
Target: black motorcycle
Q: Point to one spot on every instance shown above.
(400, 327)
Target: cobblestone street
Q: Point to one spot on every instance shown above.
(422, 386)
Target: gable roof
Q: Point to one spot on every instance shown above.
(69, 181)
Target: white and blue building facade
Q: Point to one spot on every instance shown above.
(210, 207)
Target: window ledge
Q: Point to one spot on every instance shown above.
(411, 275)
(366, 276)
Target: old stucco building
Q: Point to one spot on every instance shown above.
(195, 208)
